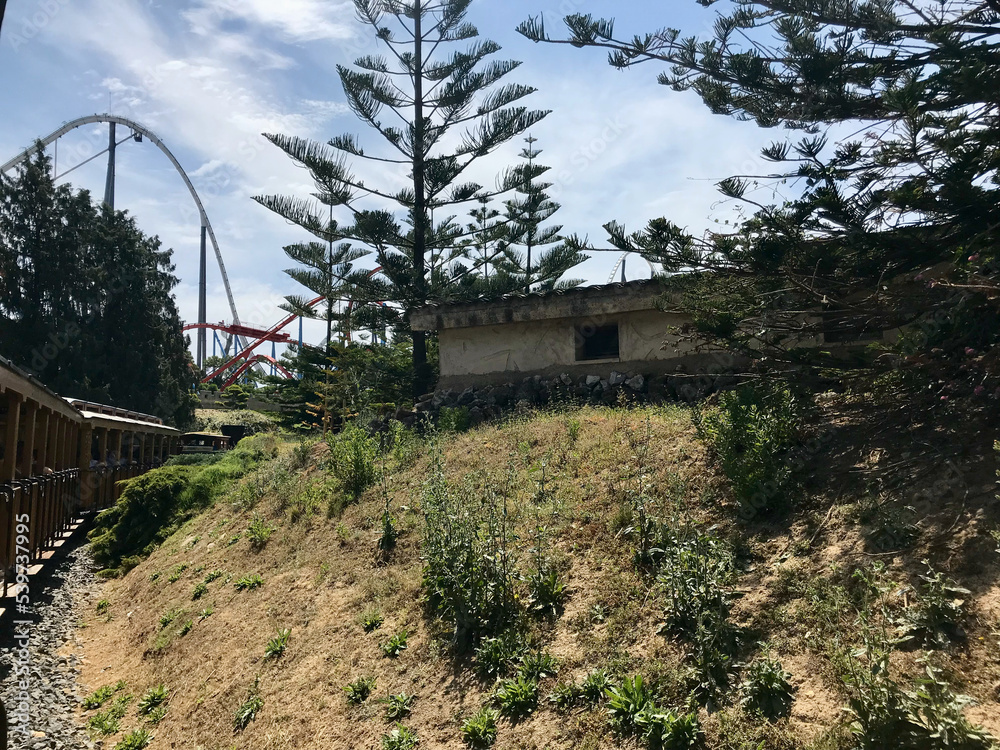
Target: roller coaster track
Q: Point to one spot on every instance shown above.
(146, 132)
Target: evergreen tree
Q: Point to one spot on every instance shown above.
(87, 303)
(445, 112)
(914, 188)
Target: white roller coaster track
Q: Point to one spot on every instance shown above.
(146, 132)
(621, 263)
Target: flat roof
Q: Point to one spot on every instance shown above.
(118, 423)
(576, 302)
(14, 378)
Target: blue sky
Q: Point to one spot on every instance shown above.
(208, 76)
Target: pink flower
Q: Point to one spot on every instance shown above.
(969, 351)
(973, 258)
(944, 398)
(980, 390)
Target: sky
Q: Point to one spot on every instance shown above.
(210, 76)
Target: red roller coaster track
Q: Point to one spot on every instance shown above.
(241, 330)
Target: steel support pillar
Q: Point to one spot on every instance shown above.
(109, 185)
(203, 298)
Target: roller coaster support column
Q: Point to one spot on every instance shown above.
(203, 298)
(109, 185)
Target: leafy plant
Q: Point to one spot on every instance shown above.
(359, 690)
(206, 613)
(249, 582)
(249, 709)
(400, 738)
(137, 739)
(480, 730)
(594, 687)
(936, 617)
(387, 541)
(627, 701)
(276, 646)
(499, 656)
(185, 628)
(108, 721)
(371, 619)
(168, 617)
(766, 688)
(565, 695)
(516, 697)
(547, 592)
(103, 606)
(156, 715)
(153, 699)
(695, 573)
(214, 576)
(353, 459)
(470, 570)
(258, 532)
(752, 431)
(454, 419)
(199, 591)
(100, 696)
(538, 665)
(665, 730)
(395, 645)
(398, 706)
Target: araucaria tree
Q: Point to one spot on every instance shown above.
(437, 113)
(897, 222)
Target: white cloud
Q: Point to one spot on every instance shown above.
(294, 20)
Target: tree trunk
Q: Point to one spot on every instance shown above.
(421, 370)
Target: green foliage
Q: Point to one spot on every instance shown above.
(108, 721)
(479, 731)
(153, 699)
(454, 419)
(156, 504)
(100, 696)
(276, 646)
(751, 431)
(358, 691)
(499, 656)
(215, 575)
(353, 460)
(103, 606)
(665, 730)
(206, 613)
(71, 271)
(258, 532)
(247, 711)
(398, 706)
(627, 701)
(766, 688)
(565, 695)
(696, 571)
(547, 592)
(516, 697)
(235, 397)
(200, 589)
(176, 573)
(387, 541)
(185, 628)
(395, 645)
(249, 582)
(137, 739)
(372, 619)
(470, 571)
(169, 616)
(400, 738)
(595, 686)
(935, 618)
(538, 665)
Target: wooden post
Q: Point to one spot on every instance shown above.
(42, 432)
(52, 449)
(84, 443)
(30, 414)
(7, 471)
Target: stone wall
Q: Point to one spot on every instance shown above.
(493, 401)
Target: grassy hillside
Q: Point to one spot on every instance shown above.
(605, 539)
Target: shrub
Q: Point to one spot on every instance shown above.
(470, 571)
(454, 419)
(249, 582)
(137, 739)
(516, 697)
(395, 645)
(400, 738)
(277, 645)
(153, 699)
(695, 572)
(766, 688)
(387, 541)
(547, 592)
(359, 690)
(398, 706)
(480, 730)
(935, 618)
(258, 532)
(627, 701)
(499, 656)
(353, 460)
(249, 709)
(751, 431)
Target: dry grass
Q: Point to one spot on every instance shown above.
(320, 574)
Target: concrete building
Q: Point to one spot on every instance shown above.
(591, 330)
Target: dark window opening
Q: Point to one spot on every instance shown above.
(596, 342)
